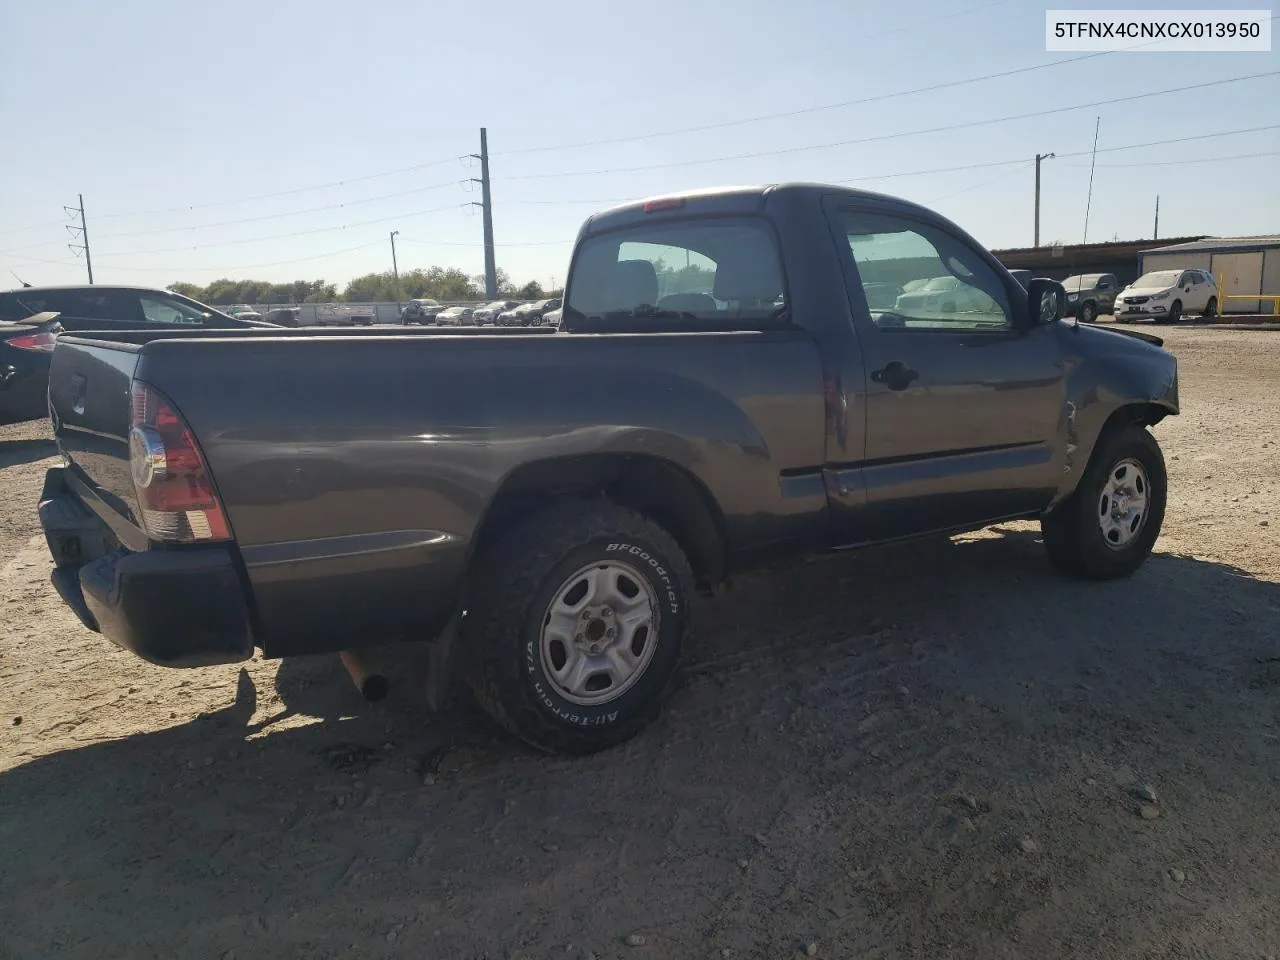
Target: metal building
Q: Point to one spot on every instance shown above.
(1241, 265)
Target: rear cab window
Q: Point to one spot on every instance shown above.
(696, 272)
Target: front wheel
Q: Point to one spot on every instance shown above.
(1211, 308)
(1175, 311)
(1088, 312)
(1109, 525)
(575, 624)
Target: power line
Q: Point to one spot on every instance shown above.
(287, 213)
(1000, 178)
(804, 111)
(896, 136)
(843, 104)
(1173, 163)
(480, 243)
(242, 266)
(282, 193)
(1013, 162)
(296, 233)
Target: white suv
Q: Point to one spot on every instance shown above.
(1166, 295)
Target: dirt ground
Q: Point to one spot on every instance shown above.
(930, 751)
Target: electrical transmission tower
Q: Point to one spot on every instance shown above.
(82, 232)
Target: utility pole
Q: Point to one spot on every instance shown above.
(486, 205)
(395, 271)
(83, 231)
(1039, 158)
(1155, 231)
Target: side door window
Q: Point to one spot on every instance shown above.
(916, 277)
(158, 309)
(83, 309)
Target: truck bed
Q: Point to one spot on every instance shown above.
(357, 465)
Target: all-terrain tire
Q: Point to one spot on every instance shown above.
(510, 594)
(1072, 533)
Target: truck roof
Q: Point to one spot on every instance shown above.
(740, 200)
(84, 286)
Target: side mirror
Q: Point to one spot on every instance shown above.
(1046, 301)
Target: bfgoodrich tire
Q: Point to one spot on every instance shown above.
(575, 625)
(1109, 525)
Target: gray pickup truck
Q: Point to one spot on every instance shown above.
(721, 393)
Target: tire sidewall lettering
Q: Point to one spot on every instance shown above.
(671, 595)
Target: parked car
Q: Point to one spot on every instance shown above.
(510, 318)
(25, 349)
(526, 314)
(558, 527)
(1089, 294)
(285, 316)
(242, 311)
(420, 311)
(456, 317)
(939, 295)
(101, 307)
(344, 315)
(30, 318)
(552, 317)
(1165, 295)
(532, 314)
(490, 311)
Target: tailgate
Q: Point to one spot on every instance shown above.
(89, 399)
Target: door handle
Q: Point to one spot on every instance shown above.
(895, 375)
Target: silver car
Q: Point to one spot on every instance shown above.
(456, 317)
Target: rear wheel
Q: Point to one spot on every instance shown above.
(1211, 308)
(575, 624)
(1109, 525)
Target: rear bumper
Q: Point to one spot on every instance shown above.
(177, 607)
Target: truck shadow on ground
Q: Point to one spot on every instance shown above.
(850, 682)
(15, 452)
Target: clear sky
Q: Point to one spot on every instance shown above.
(346, 120)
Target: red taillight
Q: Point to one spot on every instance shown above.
(39, 342)
(174, 489)
(666, 203)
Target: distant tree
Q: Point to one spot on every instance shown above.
(530, 291)
(317, 291)
(438, 283)
(505, 287)
(187, 290)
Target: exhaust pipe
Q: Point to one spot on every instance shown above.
(368, 680)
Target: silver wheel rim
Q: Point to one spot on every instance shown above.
(599, 633)
(1122, 505)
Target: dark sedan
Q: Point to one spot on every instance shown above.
(31, 317)
(118, 308)
(25, 349)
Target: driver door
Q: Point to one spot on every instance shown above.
(964, 394)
